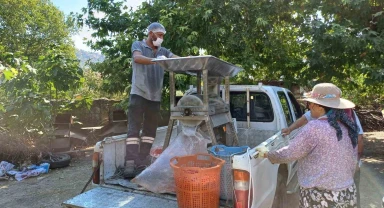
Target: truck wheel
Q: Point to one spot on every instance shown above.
(280, 200)
(58, 160)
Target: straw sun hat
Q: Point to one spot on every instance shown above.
(327, 94)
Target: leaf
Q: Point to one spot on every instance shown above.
(378, 14)
(56, 70)
(373, 33)
(236, 7)
(207, 14)
(8, 74)
(183, 28)
(261, 22)
(2, 109)
(78, 97)
(32, 130)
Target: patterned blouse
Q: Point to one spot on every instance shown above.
(323, 162)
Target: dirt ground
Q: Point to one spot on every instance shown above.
(47, 190)
(372, 171)
(51, 189)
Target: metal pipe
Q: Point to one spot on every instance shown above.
(171, 123)
(198, 83)
(227, 94)
(248, 109)
(205, 90)
(172, 89)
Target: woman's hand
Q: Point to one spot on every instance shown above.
(285, 131)
(263, 151)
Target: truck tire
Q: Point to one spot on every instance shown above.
(281, 196)
(57, 160)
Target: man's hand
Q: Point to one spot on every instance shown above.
(297, 124)
(161, 57)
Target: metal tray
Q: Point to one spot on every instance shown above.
(193, 65)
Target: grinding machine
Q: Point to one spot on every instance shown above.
(202, 107)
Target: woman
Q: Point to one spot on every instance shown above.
(326, 151)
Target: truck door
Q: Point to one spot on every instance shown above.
(292, 112)
(296, 108)
(285, 106)
(261, 172)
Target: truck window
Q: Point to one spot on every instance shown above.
(260, 106)
(238, 105)
(285, 104)
(296, 106)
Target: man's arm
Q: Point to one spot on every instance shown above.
(140, 59)
(297, 124)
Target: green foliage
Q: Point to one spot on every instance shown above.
(59, 72)
(24, 109)
(92, 84)
(92, 87)
(300, 41)
(31, 26)
(27, 92)
(38, 69)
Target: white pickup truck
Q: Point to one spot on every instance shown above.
(260, 113)
(271, 109)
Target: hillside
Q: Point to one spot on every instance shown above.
(85, 56)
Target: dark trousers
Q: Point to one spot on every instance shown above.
(142, 114)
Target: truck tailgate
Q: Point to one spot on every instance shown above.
(101, 197)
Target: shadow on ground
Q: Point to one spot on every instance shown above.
(47, 190)
(372, 171)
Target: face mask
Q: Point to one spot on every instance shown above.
(157, 42)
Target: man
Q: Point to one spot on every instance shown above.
(145, 97)
(360, 146)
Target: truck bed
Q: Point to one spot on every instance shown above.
(126, 186)
(115, 191)
(105, 197)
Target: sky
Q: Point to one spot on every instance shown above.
(68, 6)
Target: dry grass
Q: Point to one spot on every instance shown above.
(19, 150)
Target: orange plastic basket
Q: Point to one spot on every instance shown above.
(197, 179)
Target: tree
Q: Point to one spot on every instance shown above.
(32, 26)
(299, 41)
(26, 106)
(346, 46)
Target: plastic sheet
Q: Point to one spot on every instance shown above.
(158, 177)
(5, 167)
(31, 171)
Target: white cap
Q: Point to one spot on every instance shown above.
(156, 27)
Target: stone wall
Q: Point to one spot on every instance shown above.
(98, 115)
